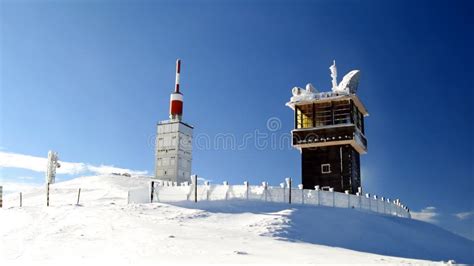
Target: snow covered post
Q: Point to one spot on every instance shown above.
(53, 163)
(78, 196)
(360, 199)
(377, 204)
(300, 186)
(367, 195)
(348, 199)
(316, 188)
(383, 200)
(246, 184)
(387, 201)
(208, 188)
(47, 194)
(152, 190)
(226, 185)
(195, 182)
(333, 197)
(397, 208)
(282, 185)
(288, 183)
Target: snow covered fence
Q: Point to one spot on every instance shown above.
(58, 196)
(172, 192)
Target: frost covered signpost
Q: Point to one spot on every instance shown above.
(53, 163)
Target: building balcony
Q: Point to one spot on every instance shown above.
(329, 136)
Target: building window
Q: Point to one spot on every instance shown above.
(342, 112)
(304, 116)
(323, 114)
(326, 168)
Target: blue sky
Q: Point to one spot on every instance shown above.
(91, 79)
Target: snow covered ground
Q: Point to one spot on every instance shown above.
(104, 228)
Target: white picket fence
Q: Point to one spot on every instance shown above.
(166, 192)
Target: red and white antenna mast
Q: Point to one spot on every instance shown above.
(176, 98)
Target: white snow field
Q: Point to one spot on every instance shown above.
(105, 229)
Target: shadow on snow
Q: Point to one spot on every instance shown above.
(355, 230)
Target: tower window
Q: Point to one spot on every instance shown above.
(304, 116)
(325, 168)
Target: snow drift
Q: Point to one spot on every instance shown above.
(104, 227)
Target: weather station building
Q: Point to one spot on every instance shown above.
(173, 151)
(329, 133)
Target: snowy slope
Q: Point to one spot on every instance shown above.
(105, 228)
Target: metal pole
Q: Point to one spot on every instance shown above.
(1, 195)
(78, 196)
(21, 200)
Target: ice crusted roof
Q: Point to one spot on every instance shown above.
(347, 88)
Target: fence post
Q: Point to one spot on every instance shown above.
(264, 184)
(226, 184)
(383, 200)
(360, 199)
(282, 185)
(152, 191)
(367, 195)
(208, 186)
(78, 196)
(21, 200)
(316, 188)
(288, 182)
(300, 186)
(377, 203)
(387, 206)
(348, 199)
(333, 197)
(47, 194)
(246, 184)
(1, 196)
(195, 188)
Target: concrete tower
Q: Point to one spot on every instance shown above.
(174, 141)
(329, 132)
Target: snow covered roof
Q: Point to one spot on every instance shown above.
(346, 89)
(302, 96)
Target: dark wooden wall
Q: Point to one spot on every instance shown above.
(345, 170)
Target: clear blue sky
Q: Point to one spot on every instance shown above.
(91, 79)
